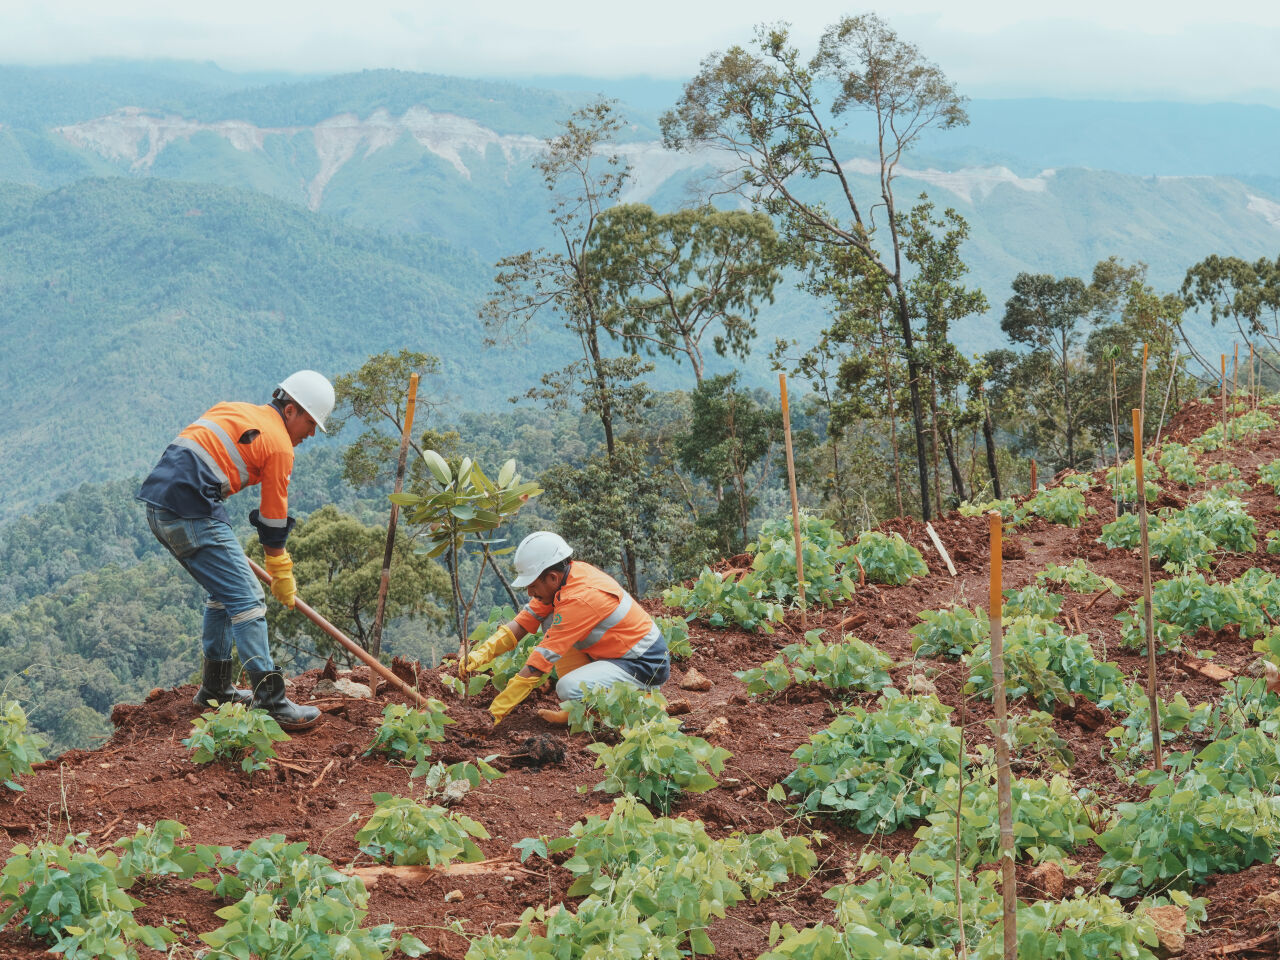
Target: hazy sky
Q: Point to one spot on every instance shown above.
(1225, 50)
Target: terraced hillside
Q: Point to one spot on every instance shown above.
(820, 786)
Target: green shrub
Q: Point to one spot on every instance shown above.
(1127, 489)
(1208, 441)
(1124, 532)
(675, 631)
(724, 602)
(1077, 576)
(849, 664)
(1273, 542)
(1049, 821)
(1035, 739)
(1057, 505)
(1179, 464)
(1224, 520)
(1184, 604)
(157, 853)
(873, 770)
(615, 707)
(449, 783)
(290, 903)
(1270, 475)
(1031, 601)
(1186, 831)
(406, 832)
(1131, 740)
(889, 559)
(1044, 662)
(1005, 508)
(656, 762)
(408, 733)
(597, 929)
(235, 732)
(950, 632)
(68, 895)
(1222, 471)
(671, 867)
(19, 750)
(1179, 545)
(825, 559)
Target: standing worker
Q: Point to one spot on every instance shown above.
(595, 635)
(233, 446)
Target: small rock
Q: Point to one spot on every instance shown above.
(452, 895)
(323, 688)
(739, 699)
(1272, 673)
(920, 684)
(1048, 879)
(349, 688)
(1171, 930)
(716, 728)
(694, 680)
(191, 778)
(155, 694)
(678, 708)
(1269, 903)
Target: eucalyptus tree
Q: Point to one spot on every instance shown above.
(673, 279)
(1048, 313)
(761, 110)
(1248, 294)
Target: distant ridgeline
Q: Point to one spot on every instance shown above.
(172, 234)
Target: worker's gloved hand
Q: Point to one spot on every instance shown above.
(283, 587)
(501, 641)
(517, 689)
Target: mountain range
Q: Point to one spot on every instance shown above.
(173, 233)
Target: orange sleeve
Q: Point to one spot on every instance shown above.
(533, 615)
(574, 618)
(272, 518)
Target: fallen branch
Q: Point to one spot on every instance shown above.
(289, 766)
(1256, 943)
(327, 767)
(108, 828)
(1210, 671)
(422, 872)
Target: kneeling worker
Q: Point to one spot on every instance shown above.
(595, 635)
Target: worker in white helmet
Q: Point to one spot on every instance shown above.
(230, 447)
(595, 634)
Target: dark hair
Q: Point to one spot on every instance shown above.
(280, 400)
(560, 566)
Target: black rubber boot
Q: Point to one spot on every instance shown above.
(216, 686)
(268, 695)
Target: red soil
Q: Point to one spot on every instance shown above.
(144, 773)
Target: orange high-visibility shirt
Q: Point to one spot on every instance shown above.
(594, 614)
(232, 446)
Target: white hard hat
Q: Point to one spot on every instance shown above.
(312, 392)
(536, 553)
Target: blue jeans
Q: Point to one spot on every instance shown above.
(236, 608)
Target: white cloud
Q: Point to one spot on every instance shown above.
(1135, 48)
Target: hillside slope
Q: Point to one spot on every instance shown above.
(129, 306)
(320, 793)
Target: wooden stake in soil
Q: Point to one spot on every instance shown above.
(1142, 390)
(1253, 382)
(1034, 483)
(942, 551)
(1004, 790)
(360, 652)
(1157, 747)
(375, 635)
(795, 503)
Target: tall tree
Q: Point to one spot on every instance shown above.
(762, 110)
(1046, 314)
(1246, 293)
(940, 299)
(584, 179)
(728, 445)
(674, 279)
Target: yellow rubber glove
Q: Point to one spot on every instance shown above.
(501, 641)
(517, 689)
(283, 587)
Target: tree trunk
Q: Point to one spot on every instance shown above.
(917, 411)
(1066, 403)
(957, 480)
(988, 438)
(933, 429)
(893, 421)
